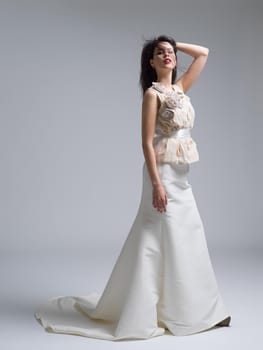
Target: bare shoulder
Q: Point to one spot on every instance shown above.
(150, 98)
(150, 94)
(149, 105)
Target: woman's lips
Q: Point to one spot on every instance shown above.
(167, 60)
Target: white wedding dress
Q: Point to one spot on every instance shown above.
(163, 277)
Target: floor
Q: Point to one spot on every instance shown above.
(28, 279)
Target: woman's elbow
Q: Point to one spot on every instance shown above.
(206, 51)
(147, 147)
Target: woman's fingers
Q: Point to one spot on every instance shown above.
(159, 199)
(161, 205)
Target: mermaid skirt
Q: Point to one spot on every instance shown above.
(163, 277)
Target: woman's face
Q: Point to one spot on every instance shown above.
(163, 57)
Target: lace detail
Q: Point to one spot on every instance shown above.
(175, 112)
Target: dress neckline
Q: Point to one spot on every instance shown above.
(162, 88)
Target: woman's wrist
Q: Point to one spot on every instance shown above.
(156, 184)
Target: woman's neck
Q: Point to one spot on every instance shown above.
(165, 80)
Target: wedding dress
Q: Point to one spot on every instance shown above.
(163, 278)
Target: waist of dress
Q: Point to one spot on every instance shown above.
(178, 133)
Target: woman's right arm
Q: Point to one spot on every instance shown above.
(149, 112)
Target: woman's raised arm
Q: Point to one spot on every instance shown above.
(200, 54)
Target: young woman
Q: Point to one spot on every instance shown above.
(163, 278)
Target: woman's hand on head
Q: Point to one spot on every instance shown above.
(159, 198)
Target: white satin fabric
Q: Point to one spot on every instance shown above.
(162, 279)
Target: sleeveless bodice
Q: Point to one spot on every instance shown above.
(175, 118)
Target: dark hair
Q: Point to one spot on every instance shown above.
(148, 74)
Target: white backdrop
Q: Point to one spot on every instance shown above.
(71, 158)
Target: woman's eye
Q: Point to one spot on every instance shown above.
(162, 52)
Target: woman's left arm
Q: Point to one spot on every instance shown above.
(200, 54)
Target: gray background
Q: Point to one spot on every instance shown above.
(71, 158)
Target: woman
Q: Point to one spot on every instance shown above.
(163, 278)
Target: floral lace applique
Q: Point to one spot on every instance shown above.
(175, 112)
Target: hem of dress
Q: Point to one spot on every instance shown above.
(158, 331)
(184, 330)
